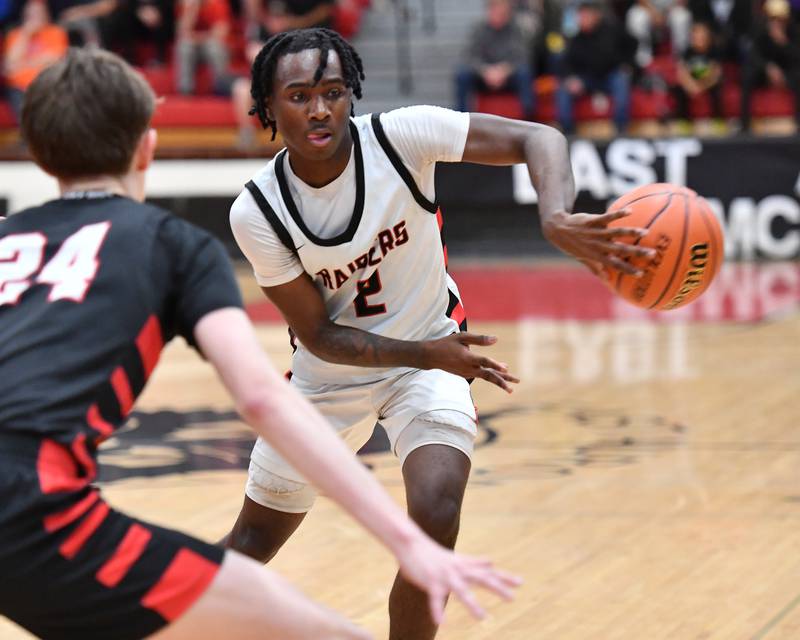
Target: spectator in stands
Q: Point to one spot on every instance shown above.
(534, 18)
(262, 20)
(775, 58)
(530, 17)
(84, 20)
(202, 30)
(698, 72)
(29, 48)
(139, 21)
(597, 60)
(265, 19)
(648, 20)
(497, 59)
(730, 20)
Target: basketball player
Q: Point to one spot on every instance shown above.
(91, 287)
(342, 230)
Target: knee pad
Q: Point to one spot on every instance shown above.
(442, 426)
(275, 492)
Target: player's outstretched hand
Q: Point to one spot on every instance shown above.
(452, 354)
(440, 572)
(587, 237)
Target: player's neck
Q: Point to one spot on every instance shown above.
(317, 173)
(120, 185)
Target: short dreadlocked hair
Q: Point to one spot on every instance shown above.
(281, 44)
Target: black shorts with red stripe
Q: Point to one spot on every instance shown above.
(72, 567)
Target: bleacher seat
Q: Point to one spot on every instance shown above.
(194, 111)
(645, 105)
(6, 116)
(347, 16)
(207, 110)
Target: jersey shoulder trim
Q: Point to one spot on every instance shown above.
(271, 217)
(358, 208)
(401, 168)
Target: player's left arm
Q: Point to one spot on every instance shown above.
(501, 141)
(304, 310)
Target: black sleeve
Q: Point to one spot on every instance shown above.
(201, 276)
(627, 46)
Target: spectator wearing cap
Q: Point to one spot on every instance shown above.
(201, 33)
(28, 49)
(497, 59)
(775, 58)
(647, 20)
(597, 61)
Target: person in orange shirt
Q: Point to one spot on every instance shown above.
(29, 48)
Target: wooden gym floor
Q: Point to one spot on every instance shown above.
(643, 478)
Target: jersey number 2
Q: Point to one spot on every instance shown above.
(69, 272)
(367, 288)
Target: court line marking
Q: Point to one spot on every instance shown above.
(762, 633)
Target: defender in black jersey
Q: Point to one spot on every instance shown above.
(92, 285)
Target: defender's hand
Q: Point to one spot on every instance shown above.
(452, 354)
(586, 237)
(440, 572)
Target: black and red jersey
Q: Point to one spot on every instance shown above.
(91, 288)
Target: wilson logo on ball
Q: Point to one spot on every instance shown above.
(686, 237)
(694, 277)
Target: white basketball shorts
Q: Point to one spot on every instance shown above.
(417, 408)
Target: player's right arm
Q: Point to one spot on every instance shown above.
(304, 310)
(299, 433)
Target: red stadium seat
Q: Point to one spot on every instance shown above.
(347, 17)
(772, 102)
(767, 102)
(195, 111)
(644, 105)
(6, 116)
(664, 67)
(161, 78)
(499, 104)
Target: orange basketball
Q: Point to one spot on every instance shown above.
(688, 241)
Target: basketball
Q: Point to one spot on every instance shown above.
(688, 241)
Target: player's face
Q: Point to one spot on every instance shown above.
(312, 118)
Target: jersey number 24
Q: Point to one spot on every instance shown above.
(69, 272)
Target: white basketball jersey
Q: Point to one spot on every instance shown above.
(386, 272)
